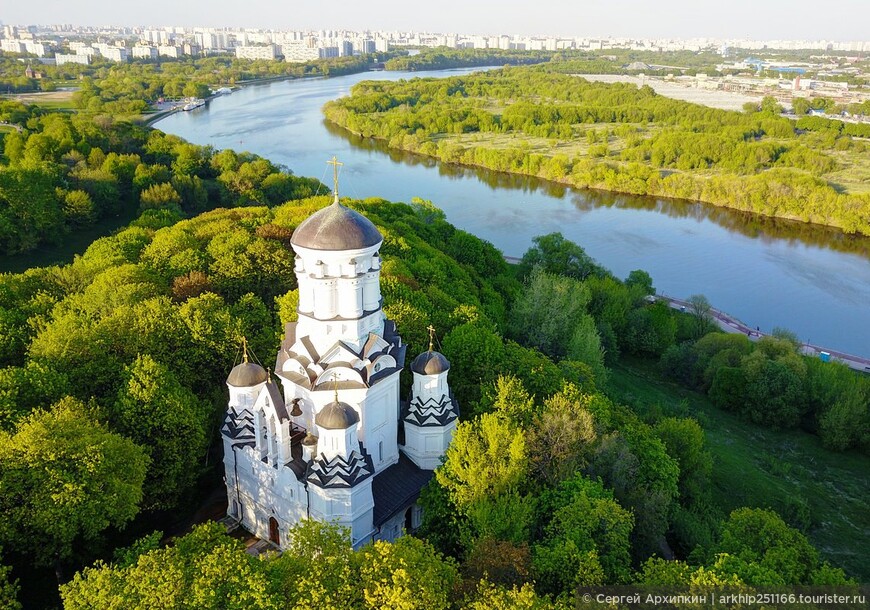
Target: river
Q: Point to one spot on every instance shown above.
(813, 281)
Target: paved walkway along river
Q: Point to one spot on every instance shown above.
(733, 325)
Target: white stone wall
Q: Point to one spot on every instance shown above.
(431, 386)
(343, 284)
(427, 445)
(262, 491)
(352, 508)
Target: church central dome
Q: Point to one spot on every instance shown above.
(336, 227)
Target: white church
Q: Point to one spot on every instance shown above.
(335, 441)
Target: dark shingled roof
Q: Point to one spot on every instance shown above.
(336, 416)
(277, 401)
(430, 363)
(336, 227)
(397, 488)
(246, 375)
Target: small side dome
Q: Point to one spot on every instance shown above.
(336, 416)
(246, 375)
(336, 227)
(430, 363)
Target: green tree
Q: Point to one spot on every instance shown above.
(800, 105)
(759, 548)
(586, 541)
(8, 590)
(685, 442)
(508, 397)
(64, 477)
(547, 312)
(478, 351)
(585, 346)
(562, 437)
(644, 478)
(702, 311)
(492, 597)
(559, 256)
(159, 196)
(486, 457)
(642, 280)
(204, 569)
(168, 420)
(407, 574)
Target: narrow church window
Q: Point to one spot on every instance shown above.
(380, 451)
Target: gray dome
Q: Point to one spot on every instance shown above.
(246, 375)
(430, 363)
(336, 227)
(336, 416)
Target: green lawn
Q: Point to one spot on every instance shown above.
(55, 100)
(788, 471)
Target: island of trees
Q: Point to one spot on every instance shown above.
(537, 121)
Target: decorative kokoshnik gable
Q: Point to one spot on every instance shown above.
(328, 447)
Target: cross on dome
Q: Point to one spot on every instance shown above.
(335, 163)
(431, 330)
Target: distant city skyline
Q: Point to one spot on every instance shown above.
(738, 19)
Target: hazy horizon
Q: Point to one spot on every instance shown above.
(739, 19)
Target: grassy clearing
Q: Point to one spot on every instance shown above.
(855, 175)
(852, 175)
(56, 100)
(788, 470)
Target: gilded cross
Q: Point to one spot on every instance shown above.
(335, 163)
(245, 349)
(431, 330)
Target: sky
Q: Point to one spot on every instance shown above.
(843, 20)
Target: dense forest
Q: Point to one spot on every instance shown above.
(634, 61)
(64, 171)
(444, 58)
(622, 138)
(144, 80)
(113, 390)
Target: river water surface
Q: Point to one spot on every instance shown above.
(813, 281)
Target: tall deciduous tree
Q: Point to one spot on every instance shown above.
(65, 477)
(487, 456)
(700, 307)
(204, 569)
(547, 313)
(560, 256)
(155, 410)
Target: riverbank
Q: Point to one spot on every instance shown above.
(819, 490)
(610, 178)
(822, 276)
(617, 138)
(730, 324)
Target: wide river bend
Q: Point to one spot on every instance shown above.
(813, 281)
